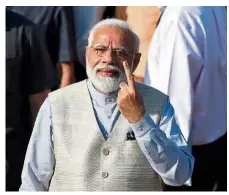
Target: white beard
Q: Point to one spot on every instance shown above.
(105, 84)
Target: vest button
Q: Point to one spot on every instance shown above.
(141, 129)
(105, 151)
(105, 174)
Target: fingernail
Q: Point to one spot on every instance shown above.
(122, 84)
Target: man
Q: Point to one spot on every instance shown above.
(187, 60)
(107, 132)
(29, 78)
(56, 23)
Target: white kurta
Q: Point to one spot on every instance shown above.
(187, 60)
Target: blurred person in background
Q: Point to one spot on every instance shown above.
(187, 60)
(29, 78)
(56, 24)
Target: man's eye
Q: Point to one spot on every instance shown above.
(101, 49)
(120, 53)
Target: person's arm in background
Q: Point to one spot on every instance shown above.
(67, 45)
(67, 73)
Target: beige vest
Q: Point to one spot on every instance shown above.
(84, 160)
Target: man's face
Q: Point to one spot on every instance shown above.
(111, 46)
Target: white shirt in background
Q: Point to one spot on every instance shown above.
(187, 60)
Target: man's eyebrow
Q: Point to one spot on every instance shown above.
(98, 45)
(118, 47)
(121, 47)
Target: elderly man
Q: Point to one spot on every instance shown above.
(107, 133)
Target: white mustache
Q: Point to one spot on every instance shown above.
(107, 68)
(106, 84)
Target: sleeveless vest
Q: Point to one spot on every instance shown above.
(85, 161)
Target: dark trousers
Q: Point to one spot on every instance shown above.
(210, 168)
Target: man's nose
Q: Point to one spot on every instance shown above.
(108, 57)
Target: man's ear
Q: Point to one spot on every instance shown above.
(136, 61)
(87, 52)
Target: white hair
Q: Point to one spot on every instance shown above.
(115, 23)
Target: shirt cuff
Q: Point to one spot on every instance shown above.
(143, 126)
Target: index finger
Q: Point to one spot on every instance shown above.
(129, 75)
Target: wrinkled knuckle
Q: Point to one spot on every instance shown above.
(122, 84)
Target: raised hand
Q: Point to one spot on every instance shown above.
(130, 103)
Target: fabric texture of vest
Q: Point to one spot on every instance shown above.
(84, 160)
